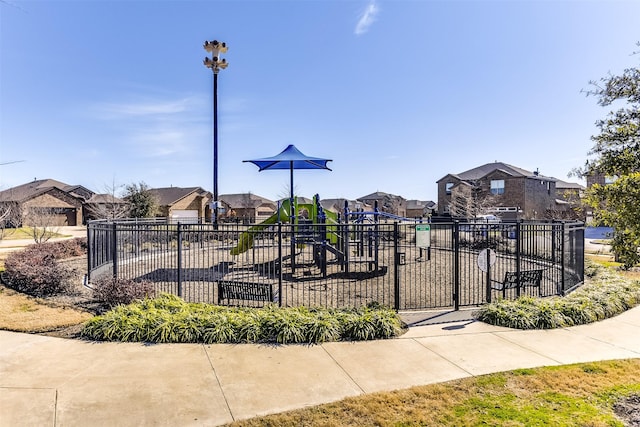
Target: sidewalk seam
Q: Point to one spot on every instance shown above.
(55, 409)
(504, 338)
(226, 401)
(441, 356)
(575, 331)
(343, 370)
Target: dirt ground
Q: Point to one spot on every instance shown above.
(628, 410)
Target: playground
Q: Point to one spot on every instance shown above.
(306, 255)
(341, 260)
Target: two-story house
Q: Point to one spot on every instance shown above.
(505, 190)
(389, 203)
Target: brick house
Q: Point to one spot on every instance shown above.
(246, 207)
(507, 191)
(389, 203)
(61, 203)
(569, 201)
(183, 204)
(337, 205)
(420, 208)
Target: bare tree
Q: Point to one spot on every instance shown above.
(9, 218)
(41, 223)
(108, 205)
(469, 201)
(392, 204)
(575, 208)
(247, 204)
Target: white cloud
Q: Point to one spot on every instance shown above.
(159, 142)
(367, 18)
(153, 127)
(148, 108)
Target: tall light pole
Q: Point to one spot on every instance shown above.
(215, 63)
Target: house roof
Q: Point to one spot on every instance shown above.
(484, 170)
(34, 188)
(337, 205)
(105, 198)
(170, 195)
(245, 200)
(420, 204)
(378, 195)
(563, 185)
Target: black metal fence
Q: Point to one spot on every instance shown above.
(408, 266)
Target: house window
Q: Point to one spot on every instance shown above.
(610, 179)
(497, 186)
(447, 187)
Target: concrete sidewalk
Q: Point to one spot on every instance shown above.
(8, 245)
(53, 381)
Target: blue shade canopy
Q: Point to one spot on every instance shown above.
(290, 158)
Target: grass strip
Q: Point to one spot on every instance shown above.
(559, 396)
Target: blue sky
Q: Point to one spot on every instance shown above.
(397, 93)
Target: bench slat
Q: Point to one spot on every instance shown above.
(527, 278)
(247, 291)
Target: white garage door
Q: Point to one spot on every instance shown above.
(184, 216)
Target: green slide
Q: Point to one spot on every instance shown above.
(245, 242)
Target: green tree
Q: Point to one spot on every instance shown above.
(616, 154)
(142, 202)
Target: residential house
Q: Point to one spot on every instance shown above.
(337, 205)
(389, 203)
(569, 201)
(190, 204)
(246, 207)
(507, 191)
(62, 204)
(420, 208)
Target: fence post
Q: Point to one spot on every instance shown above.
(396, 268)
(114, 249)
(488, 275)
(518, 250)
(179, 246)
(562, 249)
(281, 264)
(89, 247)
(456, 265)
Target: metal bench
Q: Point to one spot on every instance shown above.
(521, 279)
(244, 291)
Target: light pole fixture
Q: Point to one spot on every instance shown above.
(215, 63)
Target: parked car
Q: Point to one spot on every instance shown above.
(491, 219)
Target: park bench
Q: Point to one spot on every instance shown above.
(514, 279)
(244, 291)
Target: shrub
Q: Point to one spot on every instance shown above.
(112, 291)
(59, 250)
(607, 295)
(170, 319)
(36, 272)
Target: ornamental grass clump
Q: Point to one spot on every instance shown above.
(168, 318)
(608, 294)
